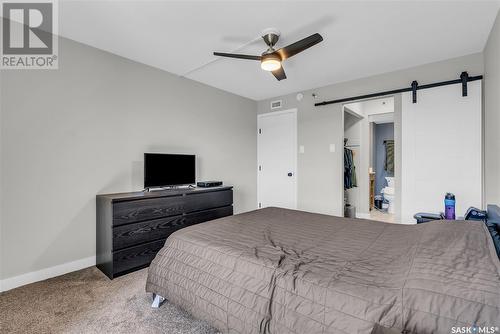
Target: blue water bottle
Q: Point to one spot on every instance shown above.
(449, 206)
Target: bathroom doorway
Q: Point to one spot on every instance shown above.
(382, 185)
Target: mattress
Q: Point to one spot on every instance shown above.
(283, 271)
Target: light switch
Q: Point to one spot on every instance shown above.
(301, 149)
(332, 148)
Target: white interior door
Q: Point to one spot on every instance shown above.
(277, 159)
(441, 149)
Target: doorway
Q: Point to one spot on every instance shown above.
(352, 162)
(382, 184)
(370, 147)
(277, 159)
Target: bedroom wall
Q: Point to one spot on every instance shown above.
(318, 169)
(492, 115)
(71, 133)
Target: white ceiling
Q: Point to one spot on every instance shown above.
(361, 38)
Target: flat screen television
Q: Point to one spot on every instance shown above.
(162, 170)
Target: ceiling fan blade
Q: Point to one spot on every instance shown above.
(237, 55)
(299, 46)
(279, 73)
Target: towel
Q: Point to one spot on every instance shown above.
(389, 156)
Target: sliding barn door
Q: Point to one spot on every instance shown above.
(441, 149)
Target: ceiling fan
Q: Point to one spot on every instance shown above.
(271, 59)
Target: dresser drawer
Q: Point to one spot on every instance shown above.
(137, 256)
(136, 233)
(145, 209)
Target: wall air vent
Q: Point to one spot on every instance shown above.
(276, 104)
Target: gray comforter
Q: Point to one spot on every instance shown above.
(284, 271)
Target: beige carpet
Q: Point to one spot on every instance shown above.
(86, 301)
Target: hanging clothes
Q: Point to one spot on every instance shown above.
(350, 180)
(389, 156)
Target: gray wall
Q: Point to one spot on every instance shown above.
(71, 133)
(492, 115)
(320, 184)
(382, 133)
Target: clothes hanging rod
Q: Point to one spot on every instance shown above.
(464, 78)
(351, 146)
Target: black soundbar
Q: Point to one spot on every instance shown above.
(209, 184)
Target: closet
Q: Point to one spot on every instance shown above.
(352, 140)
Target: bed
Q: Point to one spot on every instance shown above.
(284, 271)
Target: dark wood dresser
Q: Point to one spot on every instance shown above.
(132, 227)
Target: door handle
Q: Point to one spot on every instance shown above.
(290, 174)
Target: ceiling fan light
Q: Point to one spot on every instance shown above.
(270, 63)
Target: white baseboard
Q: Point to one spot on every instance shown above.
(362, 215)
(43, 274)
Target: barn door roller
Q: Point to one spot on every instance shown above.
(465, 78)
